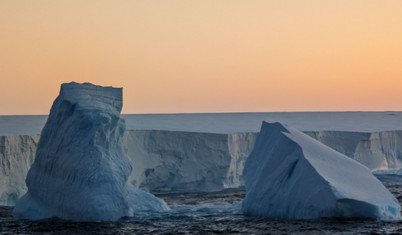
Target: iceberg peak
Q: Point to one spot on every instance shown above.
(81, 171)
(291, 175)
(89, 96)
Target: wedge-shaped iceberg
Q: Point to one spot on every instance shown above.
(80, 171)
(290, 175)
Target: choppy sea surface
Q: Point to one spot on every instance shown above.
(207, 213)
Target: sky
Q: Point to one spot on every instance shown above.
(205, 55)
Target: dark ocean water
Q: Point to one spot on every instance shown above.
(206, 213)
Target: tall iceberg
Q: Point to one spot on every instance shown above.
(80, 171)
(290, 175)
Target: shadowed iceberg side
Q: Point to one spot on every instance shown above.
(80, 171)
(290, 175)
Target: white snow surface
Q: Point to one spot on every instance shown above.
(229, 122)
(81, 171)
(290, 175)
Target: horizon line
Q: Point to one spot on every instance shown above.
(181, 113)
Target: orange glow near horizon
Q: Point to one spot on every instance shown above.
(205, 55)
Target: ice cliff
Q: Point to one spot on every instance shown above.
(290, 175)
(164, 161)
(176, 161)
(170, 161)
(379, 151)
(16, 156)
(81, 171)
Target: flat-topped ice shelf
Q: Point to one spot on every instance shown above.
(229, 122)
